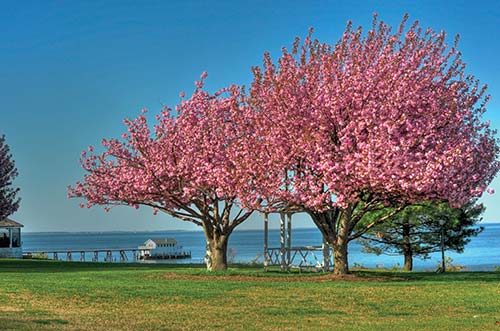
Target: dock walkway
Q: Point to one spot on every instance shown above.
(80, 254)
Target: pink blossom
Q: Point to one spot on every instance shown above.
(190, 165)
(389, 113)
(380, 118)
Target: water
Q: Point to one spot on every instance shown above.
(482, 253)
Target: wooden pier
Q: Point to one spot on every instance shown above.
(80, 254)
(166, 256)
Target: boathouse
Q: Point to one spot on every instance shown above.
(10, 239)
(166, 248)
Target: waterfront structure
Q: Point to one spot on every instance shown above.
(10, 239)
(165, 248)
(287, 256)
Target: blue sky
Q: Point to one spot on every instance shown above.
(70, 72)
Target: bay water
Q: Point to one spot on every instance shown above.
(246, 246)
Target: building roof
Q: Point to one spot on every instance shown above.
(164, 241)
(8, 223)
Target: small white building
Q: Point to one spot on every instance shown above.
(166, 248)
(10, 239)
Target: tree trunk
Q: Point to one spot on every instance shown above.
(407, 249)
(408, 261)
(336, 235)
(340, 260)
(216, 256)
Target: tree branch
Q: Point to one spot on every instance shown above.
(377, 222)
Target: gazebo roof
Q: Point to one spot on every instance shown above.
(8, 223)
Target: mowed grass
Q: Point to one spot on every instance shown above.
(51, 295)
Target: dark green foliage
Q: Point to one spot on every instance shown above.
(9, 202)
(416, 230)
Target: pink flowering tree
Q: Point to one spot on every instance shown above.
(185, 166)
(381, 118)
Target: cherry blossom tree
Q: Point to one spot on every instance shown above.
(186, 166)
(9, 202)
(380, 118)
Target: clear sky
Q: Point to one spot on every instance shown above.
(70, 71)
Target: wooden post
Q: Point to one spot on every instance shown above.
(282, 241)
(266, 238)
(289, 240)
(109, 256)
(326, 256)
(10, 237)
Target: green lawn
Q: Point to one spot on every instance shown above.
(48, 295)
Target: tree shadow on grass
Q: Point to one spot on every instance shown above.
(457, 276)
(23, 321)
(236, 270)
(51, 266)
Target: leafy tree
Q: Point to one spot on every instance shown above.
(9, 202)
(186, 166)
(416, 230)
(382, 118)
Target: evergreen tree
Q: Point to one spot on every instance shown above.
(416, 230)
(9, 202)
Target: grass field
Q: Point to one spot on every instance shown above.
(51, 295)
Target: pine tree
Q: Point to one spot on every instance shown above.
(416, 231)
(9, 202)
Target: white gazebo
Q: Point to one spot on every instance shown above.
(288, 256)
(10, 239)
